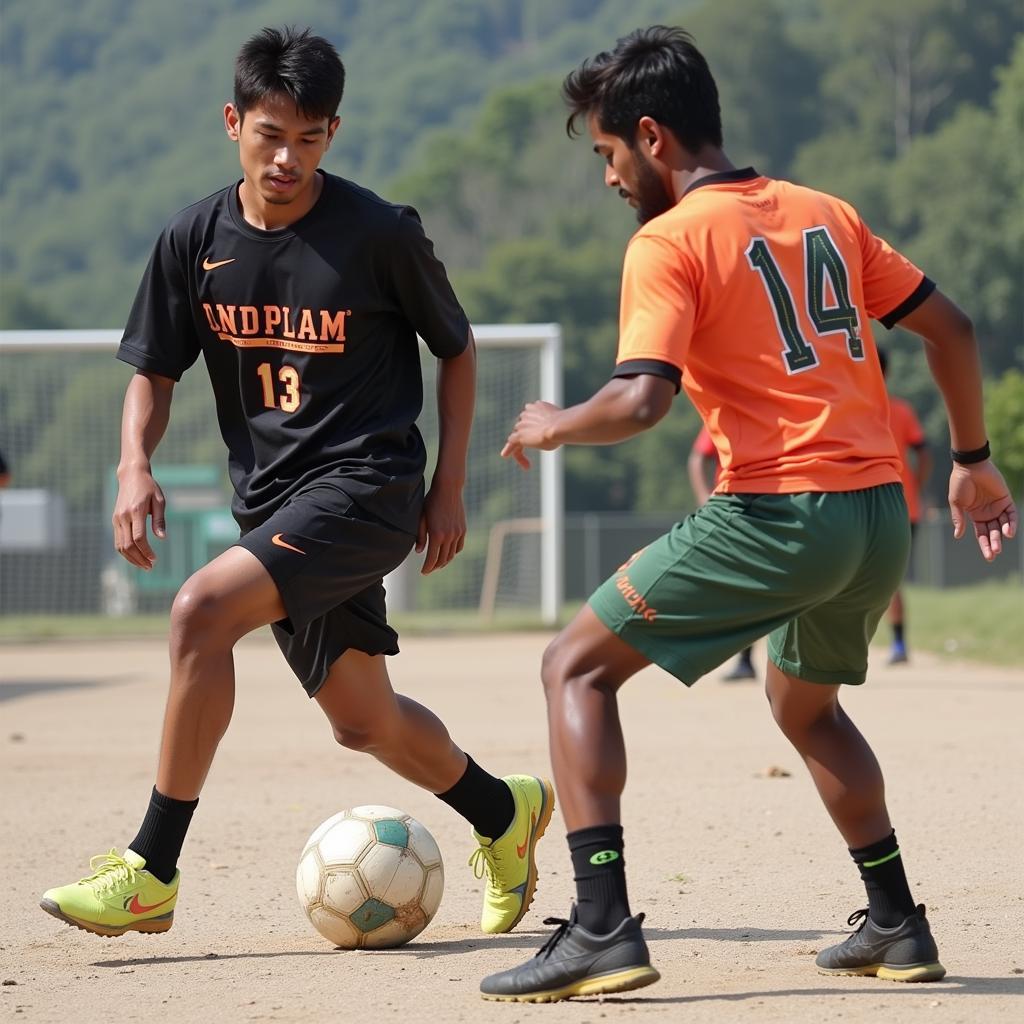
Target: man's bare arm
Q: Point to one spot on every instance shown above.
(147, 409)
(623, 408)
(443, 523)
(977, 491)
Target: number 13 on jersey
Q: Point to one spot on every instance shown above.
(821, 259)
(289, 377)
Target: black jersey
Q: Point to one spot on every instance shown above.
(309, 336)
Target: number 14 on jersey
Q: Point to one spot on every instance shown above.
(821, 259)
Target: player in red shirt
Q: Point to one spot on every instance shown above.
(755, 296)
(702, 461)
(915, 466)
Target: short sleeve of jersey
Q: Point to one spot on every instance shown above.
(423, 290)
(160, 335)
(657, 310)
(893, 286)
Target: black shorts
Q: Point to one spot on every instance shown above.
(328, 558)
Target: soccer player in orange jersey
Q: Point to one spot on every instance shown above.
(754, 296)
(915, 466)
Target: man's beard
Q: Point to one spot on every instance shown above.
(652, 198)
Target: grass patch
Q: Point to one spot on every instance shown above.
(25, 628)
(39, 628)
(978, 623)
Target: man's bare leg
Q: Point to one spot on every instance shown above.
(214, 609)
(848, 779)
(366, 714)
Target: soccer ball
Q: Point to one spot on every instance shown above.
(370, 878)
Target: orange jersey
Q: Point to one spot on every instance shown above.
(755, 295)
(907, 432)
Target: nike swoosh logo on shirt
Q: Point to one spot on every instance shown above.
(208, 265)
(277, 539)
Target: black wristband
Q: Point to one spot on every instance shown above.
(969, 458)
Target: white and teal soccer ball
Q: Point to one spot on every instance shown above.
(370, 878)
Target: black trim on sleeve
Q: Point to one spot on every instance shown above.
(144, 362)
(909, 304)
(651, 367)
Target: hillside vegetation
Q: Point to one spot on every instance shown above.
(913, 111)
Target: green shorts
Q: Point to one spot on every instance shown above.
(813, 571)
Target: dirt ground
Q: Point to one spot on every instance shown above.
(739, 871)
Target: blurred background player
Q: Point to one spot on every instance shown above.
(704, 468)
(915, 467)
(304, 293)
(754, 295)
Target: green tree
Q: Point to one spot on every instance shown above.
(896, 70)
(20, 311)
(891, 73)
(767, 84)
(1004, 415)
(956, 202)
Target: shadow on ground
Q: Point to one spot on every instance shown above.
(951, 986)
(956, 985)
(12, 689)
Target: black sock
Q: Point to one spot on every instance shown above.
(897, 633)
(484, 801)
(746, 657)
(600, 871)
(162, 834)
(881, 868)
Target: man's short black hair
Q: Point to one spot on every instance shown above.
(293, 63)
(653, 72)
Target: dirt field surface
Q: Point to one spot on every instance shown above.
(737, 866)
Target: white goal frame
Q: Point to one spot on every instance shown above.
(546, 338)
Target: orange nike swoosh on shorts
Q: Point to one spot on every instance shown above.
(521, 850)
(208, 265)
(276, 539)
(135, 907)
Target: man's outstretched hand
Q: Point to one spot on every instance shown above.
(978, 493)
(530, 431)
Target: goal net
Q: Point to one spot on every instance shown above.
(60, 411)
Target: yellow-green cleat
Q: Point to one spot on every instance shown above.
(119, 896)
(509, 862)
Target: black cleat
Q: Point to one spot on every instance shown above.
(575, 962)
(904, 953)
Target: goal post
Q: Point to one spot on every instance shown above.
(547, 339)
(60, 406)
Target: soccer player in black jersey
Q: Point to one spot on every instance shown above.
(304, 294)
